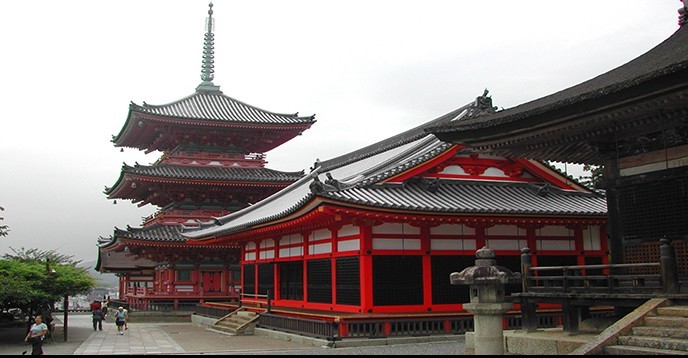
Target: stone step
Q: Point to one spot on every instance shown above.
(228, 324)
(666, 332)
(627, 350)
(239, 320)
(235, 330)
(223, 330)
(247, 314)
(666, 321)
(653, 342)
(676, 311)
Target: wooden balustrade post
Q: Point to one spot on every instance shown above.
(668, 269)
(528, 308)
(269, 299)
(526, 262)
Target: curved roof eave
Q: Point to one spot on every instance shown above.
(668, 57)
(224, 224)
(215, 106)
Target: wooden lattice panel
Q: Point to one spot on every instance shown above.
(652, 210)
(649, 252)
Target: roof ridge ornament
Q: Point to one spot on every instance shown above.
(683, 13)
(207, 71)
(482, 105)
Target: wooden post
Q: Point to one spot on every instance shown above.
(528, 308)
(526, 262)
(269, 299)
(66, 316)
(667, 262)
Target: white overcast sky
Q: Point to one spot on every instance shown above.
(367, 70)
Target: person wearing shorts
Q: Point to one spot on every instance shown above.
(120, 319)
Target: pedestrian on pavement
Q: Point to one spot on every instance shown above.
(120, 319)
(35, 336)
(98, 317)
(95, 304)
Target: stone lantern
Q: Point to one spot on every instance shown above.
(487, 304)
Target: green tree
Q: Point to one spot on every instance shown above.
(594, 178)
(34, 279)
(4, 229)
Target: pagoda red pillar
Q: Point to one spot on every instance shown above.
(366, 274)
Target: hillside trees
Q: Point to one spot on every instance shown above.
(34, 279)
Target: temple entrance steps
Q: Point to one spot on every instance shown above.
(664, 331)
(238, 322)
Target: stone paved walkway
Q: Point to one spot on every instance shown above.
(138, 339)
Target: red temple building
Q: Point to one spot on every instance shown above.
(388, 223)
(213, 164)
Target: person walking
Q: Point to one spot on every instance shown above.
(98, 317)
(120, 319)
(35, 336)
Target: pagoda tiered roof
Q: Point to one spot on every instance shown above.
(381, 177)
(152, 234)
(208, 118)
(169, 233)
(122, 251)
(145, 182)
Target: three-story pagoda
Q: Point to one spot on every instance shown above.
(213, 164)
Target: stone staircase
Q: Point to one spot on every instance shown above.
(239, 322)
(663, 332)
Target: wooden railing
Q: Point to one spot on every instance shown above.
(612, 278)
(256, 299)
(578, 288)
(649, 277)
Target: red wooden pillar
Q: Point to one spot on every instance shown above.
(123, 287)
(276, 294)
(157, 279)
(532, 243)
(427, 266)
(479, 234)
(333, 262)
(241, 270)
(366, 274)
(578, 242)
(195, 277)
(304, 262)
(255, 270)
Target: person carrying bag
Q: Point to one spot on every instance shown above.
(98, 317)
(36, 334)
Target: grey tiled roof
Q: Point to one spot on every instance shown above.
(380, 165)
(216, 106)
(159, 233)
(475, 198)
(121, 261)
(212, 173)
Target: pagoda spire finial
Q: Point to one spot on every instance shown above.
(207, 71)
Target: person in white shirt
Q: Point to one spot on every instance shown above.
(35, 336)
